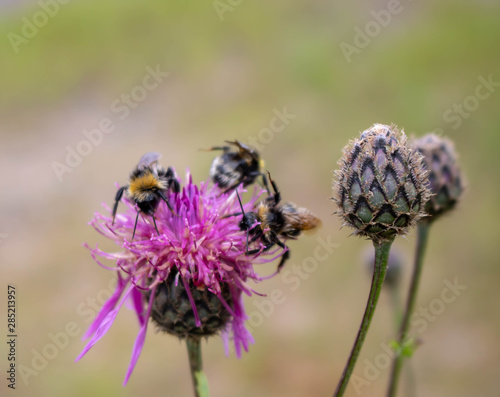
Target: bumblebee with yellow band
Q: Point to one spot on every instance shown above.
(148, 184)
(274, 220)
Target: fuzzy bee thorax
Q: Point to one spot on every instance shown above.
(143, 183)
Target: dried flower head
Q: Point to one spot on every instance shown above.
(445, 177)
(190, 278)
(380, 187)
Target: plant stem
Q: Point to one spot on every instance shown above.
(397, 364)
(200, 383)
(395, 295)
(382, 249)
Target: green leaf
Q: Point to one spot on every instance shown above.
(395, 345)
(409, 348)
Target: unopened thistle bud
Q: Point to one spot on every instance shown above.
(445, 178)
(381, 185)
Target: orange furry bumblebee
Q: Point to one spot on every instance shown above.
(273, 219)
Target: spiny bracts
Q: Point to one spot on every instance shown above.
(381, 185)
(445, 178)
(172, 310)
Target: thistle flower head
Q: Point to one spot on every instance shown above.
(445, 177)
(189, 278)
(380, 187)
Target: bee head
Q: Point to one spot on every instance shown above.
(248, 221)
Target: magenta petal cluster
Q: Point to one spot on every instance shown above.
(199, 241)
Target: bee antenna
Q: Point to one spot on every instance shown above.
(164, 198)
(243, 212)
(241, 205)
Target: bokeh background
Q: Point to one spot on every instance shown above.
(231, 65)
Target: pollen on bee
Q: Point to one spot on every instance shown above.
(145, 182)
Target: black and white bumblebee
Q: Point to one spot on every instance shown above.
(235, 167)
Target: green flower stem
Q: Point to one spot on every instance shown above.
(200, 382)
(397, 364)
(395, 297)
(382, 249)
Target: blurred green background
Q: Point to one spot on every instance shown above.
(231, 66)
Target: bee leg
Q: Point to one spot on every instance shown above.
(264, 182)
(135, 226)
(118, 197)
(284, 258)
(277, 194)
(169, 173)
(256, 237)
(224, 148)
(256, 250)
(156, 227)
(176, 187)
(164, 198)
(172, 181)
(243, 148)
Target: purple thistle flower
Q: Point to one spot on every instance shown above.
(200, 252)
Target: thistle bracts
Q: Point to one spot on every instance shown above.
(380, 187)
(444, 179)
(172, 309)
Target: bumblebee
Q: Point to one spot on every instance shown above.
(273, 220)
(234, 167)
(148, 184)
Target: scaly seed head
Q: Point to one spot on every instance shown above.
(445, 177)
(380, 187)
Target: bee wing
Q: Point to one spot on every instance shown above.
(245, 150)
(148, 160)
